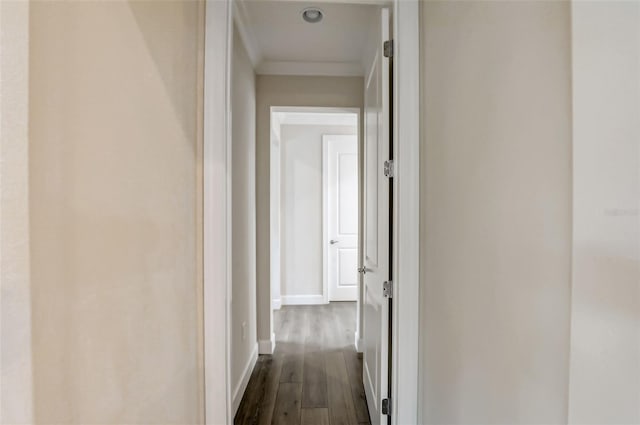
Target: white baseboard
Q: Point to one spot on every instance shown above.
(238, 392)
(267, 346)
(358, 342)
(277, 304)
(303, 299)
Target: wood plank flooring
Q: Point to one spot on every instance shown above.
(315, 375)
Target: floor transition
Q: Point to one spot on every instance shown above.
(315, 375)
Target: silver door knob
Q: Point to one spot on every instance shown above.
(333, 241)
(362, 270)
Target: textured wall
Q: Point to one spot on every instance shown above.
(114, 192)
(605, 321)
(496, 212)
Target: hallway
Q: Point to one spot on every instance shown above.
(315, 375)
(171, 176)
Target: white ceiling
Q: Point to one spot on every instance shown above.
(280, 42)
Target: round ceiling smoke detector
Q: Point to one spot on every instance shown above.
(313, 15)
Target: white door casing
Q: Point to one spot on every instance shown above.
(405, 369)
(376, 233)
(340, 204)
(217, 212)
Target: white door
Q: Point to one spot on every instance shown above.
(376, 229)
(341, 207)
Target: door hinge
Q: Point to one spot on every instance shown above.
(388, 49)
(387, 289)
(386, 406)
(389, 169)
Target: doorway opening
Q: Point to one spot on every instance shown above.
(314, 205)
(223, 17)
(310, 66)
(321, 87)
(315, 235)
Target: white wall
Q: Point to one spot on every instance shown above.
(496, 212)
(286, 91)
(275, 216)
(301, 212)
(605, 333)
(243, 276)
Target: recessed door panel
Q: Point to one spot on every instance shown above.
(372, 121)
(348, 194)
(347, 273)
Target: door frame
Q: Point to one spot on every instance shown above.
(217, 215)
(326, 212)
(217, 211)
(405, 365)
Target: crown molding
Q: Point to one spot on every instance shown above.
(243, 23)
(325, 69)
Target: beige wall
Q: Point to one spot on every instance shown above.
(605, 332)
(496, 212)
(243, 240)
(286, 91)
(114, 190)
(15, 297)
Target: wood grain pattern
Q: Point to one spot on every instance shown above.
(252, 399)
(314, 376)
(354, 368)
(293, 347)
(268, 392)
(314, 387)
(287, 409)
(315, 416)
(341, 408)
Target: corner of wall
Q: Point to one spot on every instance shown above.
(267, 346)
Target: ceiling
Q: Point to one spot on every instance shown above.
(280, 42)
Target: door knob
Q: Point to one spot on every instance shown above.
(333, 241)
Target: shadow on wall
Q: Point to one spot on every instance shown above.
(159, 26)
(113, 194)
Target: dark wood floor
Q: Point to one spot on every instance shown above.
(315, 375)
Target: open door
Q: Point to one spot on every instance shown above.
(377, 229)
